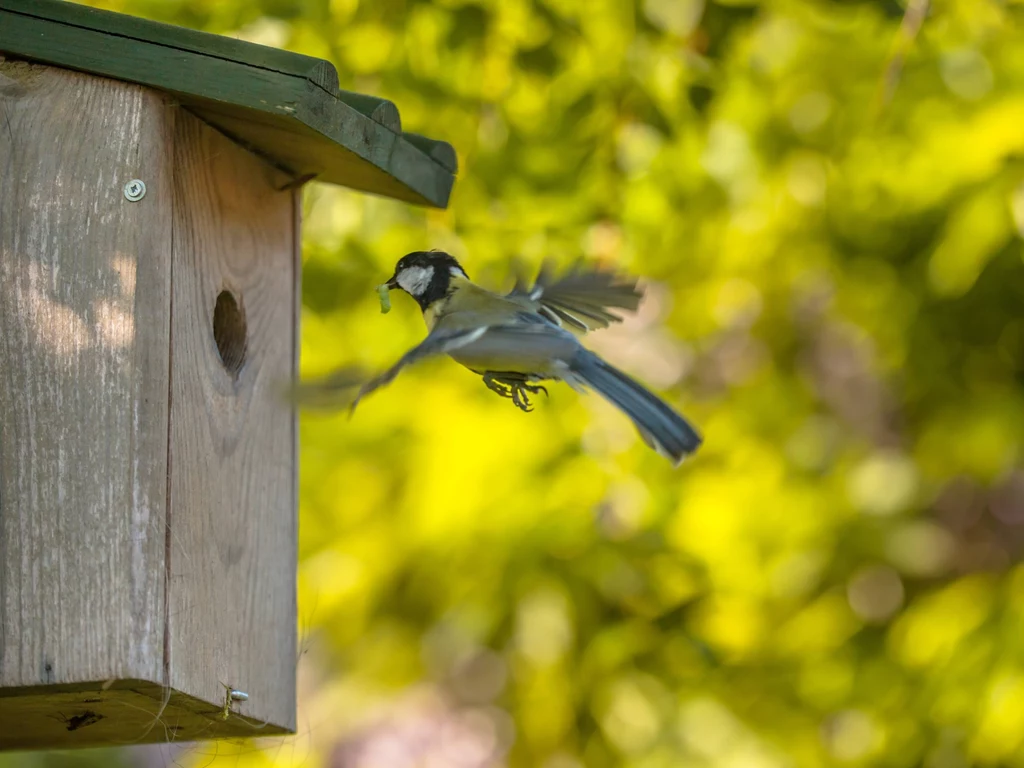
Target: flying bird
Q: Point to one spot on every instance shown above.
(516, 340)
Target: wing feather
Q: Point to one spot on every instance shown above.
(581, 298)
(439, 342)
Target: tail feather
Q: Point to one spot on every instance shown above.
(659, 424)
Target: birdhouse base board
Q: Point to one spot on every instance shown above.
(122, 712)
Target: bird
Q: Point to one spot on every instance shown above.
(516, 340)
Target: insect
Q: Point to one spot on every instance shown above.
(383, 292)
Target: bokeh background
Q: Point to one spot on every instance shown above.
(826, 200)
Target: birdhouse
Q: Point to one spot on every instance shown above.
(149, 302)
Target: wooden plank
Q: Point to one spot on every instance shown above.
(232, 441)
(122, 713)
(292, 146)
(318, 71)
(330, 131)
(169, 35)
(84, 340)
(441, 151)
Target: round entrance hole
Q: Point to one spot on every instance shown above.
(229, 332)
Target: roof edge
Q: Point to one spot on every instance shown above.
(227, 74)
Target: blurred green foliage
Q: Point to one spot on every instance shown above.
(828, 206)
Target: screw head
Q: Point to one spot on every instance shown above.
(135, 190)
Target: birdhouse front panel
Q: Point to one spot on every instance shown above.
(233, 441)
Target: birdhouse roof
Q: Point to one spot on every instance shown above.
(283, 106)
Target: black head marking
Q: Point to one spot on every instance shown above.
(434, 270)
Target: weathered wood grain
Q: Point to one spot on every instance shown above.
(84, 339)
(147, 488)
(232, 484)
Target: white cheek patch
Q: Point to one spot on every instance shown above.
(414, 280)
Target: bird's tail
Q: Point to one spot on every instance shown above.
(659, 425)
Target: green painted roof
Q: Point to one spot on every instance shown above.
(282, 105)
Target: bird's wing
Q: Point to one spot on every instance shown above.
(333, 391)
(581, 297)
(438, 342)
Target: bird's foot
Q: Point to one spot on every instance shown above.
(520, 397)
(516, 390)
(499, 387)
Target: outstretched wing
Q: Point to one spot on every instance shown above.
(438, 342)
(581, 298)
(330, 392)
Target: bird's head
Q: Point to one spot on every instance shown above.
(426, 275)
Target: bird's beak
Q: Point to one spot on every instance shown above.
(392, 283)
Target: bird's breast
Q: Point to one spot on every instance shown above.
(433, 311)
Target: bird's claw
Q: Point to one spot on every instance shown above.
(517, 391)
(521, 400)
(536, 389)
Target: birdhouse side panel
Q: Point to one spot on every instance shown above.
(84, 352)
(233, 550)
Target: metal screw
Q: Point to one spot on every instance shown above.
(135, 190)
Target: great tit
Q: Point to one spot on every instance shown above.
(519, 339)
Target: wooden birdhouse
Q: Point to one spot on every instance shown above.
(149, 305)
